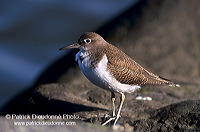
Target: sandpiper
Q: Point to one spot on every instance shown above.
(111, 69)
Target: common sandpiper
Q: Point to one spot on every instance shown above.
(111, 69)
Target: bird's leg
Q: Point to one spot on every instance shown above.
(113, 109)
(113, 103)
(120, 107)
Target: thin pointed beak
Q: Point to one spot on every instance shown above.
(73, 46)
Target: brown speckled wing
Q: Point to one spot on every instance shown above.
(127, 71)
(126, 75)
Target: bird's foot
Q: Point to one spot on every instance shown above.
(115, 118)
(109, 120)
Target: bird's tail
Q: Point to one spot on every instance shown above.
(170, 83)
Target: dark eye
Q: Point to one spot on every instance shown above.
(87, 40)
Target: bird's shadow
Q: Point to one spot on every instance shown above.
(62, 107)
(42, 105)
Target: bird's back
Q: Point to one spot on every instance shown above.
(127, 71)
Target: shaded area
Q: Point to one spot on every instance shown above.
(41, 105)
(42, 101)
(54, 71)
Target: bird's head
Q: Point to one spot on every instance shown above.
(86, 41)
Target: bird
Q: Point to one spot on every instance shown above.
(109, 68)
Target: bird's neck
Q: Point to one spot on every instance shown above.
(89, 57)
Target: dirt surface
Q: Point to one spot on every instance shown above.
(172, 109)
(162, 36)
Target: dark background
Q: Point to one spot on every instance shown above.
(32, 31)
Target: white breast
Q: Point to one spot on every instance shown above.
(100, 76)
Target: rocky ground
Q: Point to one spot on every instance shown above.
(172, 109)
(162, 36)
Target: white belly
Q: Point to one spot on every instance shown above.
(101, 77)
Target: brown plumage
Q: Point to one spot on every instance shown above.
(121, 66)
(127, 71)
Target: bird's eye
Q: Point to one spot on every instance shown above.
(87, 40)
